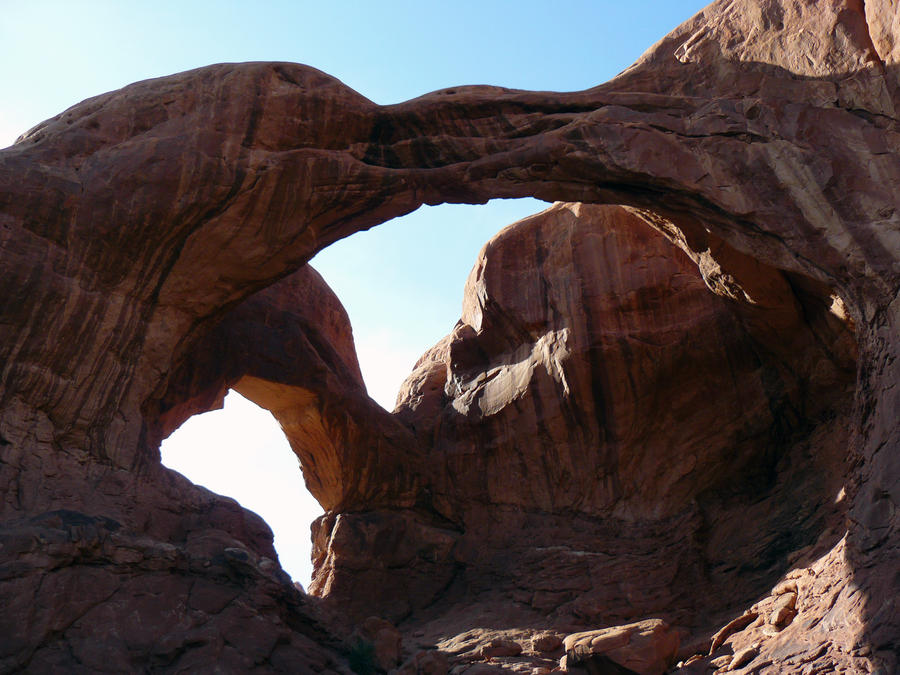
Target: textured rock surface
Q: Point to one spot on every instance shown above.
(612, 440)
(289, 348)
(761, 137)
(646, 648)
(141, 570)
(564, 386)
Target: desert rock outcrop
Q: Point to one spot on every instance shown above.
(140, 230)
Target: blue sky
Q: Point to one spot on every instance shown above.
(401, 282)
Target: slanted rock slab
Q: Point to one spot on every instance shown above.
(647, 647)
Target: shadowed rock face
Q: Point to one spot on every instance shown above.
(759, 137)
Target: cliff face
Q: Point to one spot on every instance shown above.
(656, 417)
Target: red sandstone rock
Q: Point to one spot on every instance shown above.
(500, 647)
(384, 639)
(546, 643)
(289, 348)
(760, 137)
(733, 626)
(611, 256)
(580, 328)
(646, 648)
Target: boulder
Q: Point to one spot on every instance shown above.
(647, 647)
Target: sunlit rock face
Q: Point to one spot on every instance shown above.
(759, 138)
(594, 371)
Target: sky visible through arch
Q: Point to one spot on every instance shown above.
(401, 282)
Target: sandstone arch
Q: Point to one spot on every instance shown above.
(133, 222)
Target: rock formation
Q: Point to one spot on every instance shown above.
(604, 435)
(680, 409)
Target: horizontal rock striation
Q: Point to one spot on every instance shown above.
(140, 229)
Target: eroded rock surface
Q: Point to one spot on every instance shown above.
(141, 570)
(646, 648)
(760, 138)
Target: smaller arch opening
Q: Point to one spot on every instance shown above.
(240, 451)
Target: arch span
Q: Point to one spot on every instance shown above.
(155, 210)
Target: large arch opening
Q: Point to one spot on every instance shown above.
(402, 282)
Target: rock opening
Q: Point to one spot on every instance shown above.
(241, 452)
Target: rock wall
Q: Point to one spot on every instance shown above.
(760, 137)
